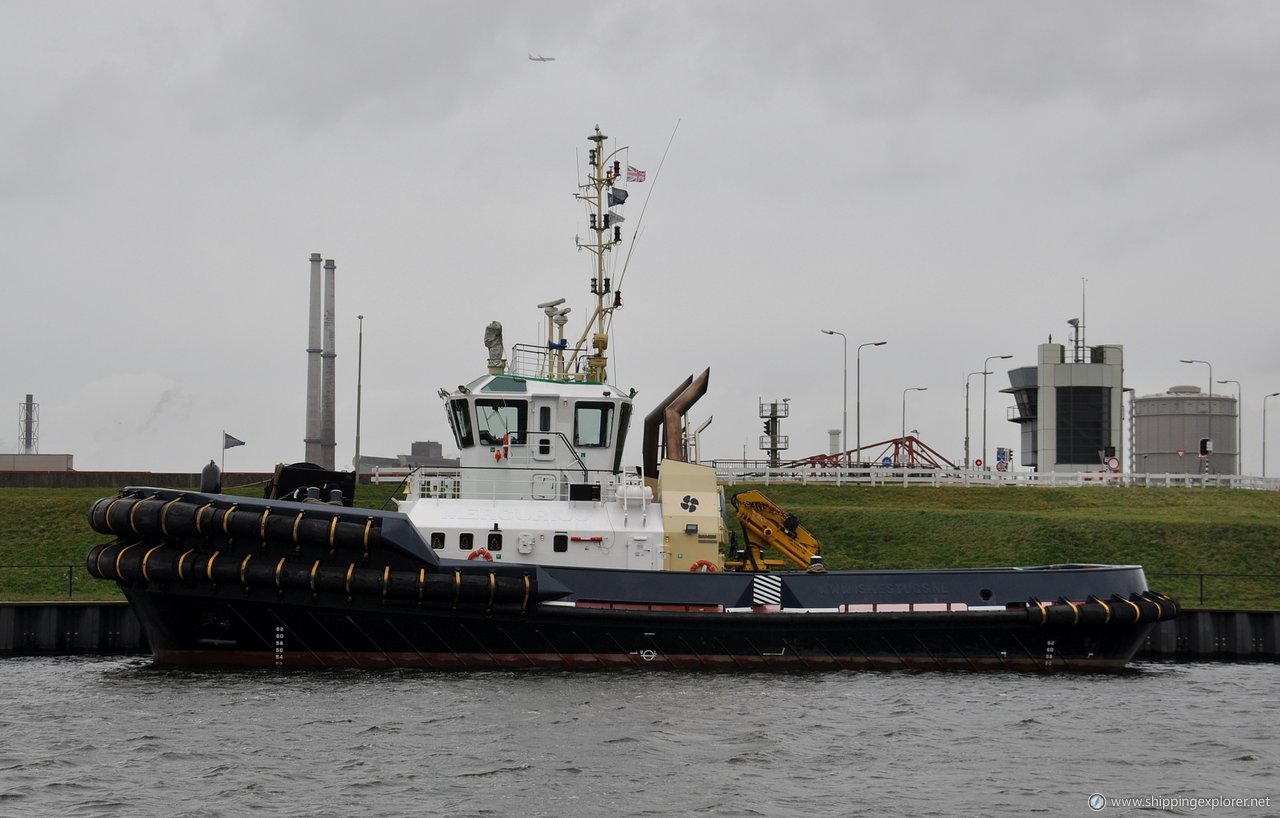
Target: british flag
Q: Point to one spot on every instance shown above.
(634, 174)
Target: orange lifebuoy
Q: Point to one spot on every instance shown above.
(480, 554)
(704, 565)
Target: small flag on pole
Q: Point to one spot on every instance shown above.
(617, 196)
(229, 442)
(634, 174)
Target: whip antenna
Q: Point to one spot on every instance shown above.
(645, 206)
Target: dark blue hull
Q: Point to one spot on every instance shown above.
(218, 580)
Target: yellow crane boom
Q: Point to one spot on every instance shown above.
(765, 527)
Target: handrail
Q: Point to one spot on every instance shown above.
(70, 569)
(573, 451)
(731, 473)
(1213, 575)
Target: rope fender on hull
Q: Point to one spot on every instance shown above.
(1147, 606)
(330, 526)
(134, 562)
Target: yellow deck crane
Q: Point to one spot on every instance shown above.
(765, 527)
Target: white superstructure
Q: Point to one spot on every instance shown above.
(541, 437)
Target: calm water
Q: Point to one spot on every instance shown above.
(88, 737)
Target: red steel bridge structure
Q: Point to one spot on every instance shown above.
(908, 452)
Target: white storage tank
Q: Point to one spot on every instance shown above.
(1169, 428)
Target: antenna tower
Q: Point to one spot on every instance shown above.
(29, 426)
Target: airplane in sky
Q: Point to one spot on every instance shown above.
(541, 58)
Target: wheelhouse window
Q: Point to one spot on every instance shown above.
(592, 424)
(499, 419)
(624, 420)
(460, 420)
(506, 383)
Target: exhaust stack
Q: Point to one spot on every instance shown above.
(328, 432)
(669, 414)
(312, 453)
(674, 415)
(652, 429)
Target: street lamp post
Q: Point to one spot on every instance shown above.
(1239, 426)
(904, 407)
(844, 433)
(359, 388)
(1264, 430)
(986, 366)
(857, 391)
(1209, 396)
(966, 416)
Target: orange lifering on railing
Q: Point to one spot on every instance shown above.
(480, 554)
(704, 565)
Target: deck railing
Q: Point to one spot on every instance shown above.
(733, 473)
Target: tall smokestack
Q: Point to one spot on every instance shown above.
(312, 439)
(328, 432)
(29, 413)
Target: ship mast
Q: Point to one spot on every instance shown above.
(599, 194)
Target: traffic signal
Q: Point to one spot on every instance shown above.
(768, 426)
(1206, 446)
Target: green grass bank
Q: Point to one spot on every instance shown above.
(1169, 531)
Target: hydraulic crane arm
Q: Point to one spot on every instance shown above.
(765, 527)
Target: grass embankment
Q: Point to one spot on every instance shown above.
(1169, 531)
(50, 527)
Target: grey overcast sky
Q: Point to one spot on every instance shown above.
(947, 176)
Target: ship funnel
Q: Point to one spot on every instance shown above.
(670, 414)
(652, 424)
(673, 417)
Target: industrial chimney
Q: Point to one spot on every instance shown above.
(312, 439)
(328, 433)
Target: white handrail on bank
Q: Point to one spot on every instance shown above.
(878, 476)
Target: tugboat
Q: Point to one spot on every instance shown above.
(541, 550)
